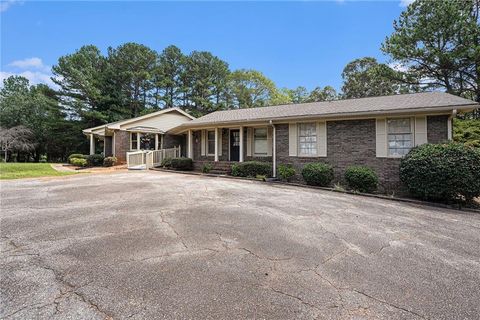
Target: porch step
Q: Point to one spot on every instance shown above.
(220, 167)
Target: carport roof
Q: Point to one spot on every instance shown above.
(416, 102)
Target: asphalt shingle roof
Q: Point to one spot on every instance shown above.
(384, 104)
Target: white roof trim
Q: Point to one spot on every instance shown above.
(116, 125)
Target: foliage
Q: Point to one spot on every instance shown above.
(318, 174)
(438, 43)
(251, 169)
(361, 178)
(286, 171)
(166, 163)
(445, 172)
(109, 161)
(43, 159)
(95, 160)
(79, 162)
(365, 77)
(467, 131)
(29, 170)
(207, 167)
(326, 93)
(182, 164)
(77, 155)
(37, 108)
(18, 138)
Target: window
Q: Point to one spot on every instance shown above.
(307, 139)
(260, 141)
(147, 141)
(399, 136)
(211, 142)
(133, 139)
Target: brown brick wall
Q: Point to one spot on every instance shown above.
(108, 146)
(170, 141)
(349, 142)
(437, 129)
(122, 139)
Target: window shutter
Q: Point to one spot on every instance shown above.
(292, 139)
(381, 137)
(249, 141)
(220, 130)
(203, 142)
(420, 130)
(269, 140)
(322, 139)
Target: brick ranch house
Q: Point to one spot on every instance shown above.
(375, 131)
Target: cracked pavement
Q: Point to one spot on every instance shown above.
(137, 245)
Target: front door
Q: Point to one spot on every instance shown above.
(234, 145)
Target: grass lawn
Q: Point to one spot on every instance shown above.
(28, 170)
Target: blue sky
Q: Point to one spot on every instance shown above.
(293, 43)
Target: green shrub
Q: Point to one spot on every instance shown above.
(166, 163)
(361, 178)
(318, 174)
(183, 164)
(43, 159)
(286, 171)
(78, 162)
(95, 160)
(76, 155)
(448, 172)
(207, 167)
(252, 169)
(109, 161)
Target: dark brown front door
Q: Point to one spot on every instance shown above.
(234, 145)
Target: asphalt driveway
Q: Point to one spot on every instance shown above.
(144, 245)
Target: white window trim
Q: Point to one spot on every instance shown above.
(412, 132)
(255, 154)
(299, 154)
(131, 140)
(207, 152)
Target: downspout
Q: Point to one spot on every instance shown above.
(450, 124)
(274, 149)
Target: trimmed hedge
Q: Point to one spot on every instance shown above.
(207, 167)
(286, 171)
(361, 178)
(445, 172)
(109, 161)
(76, 155)
(182, 164)
(79, 162)
(318, 174)
(95, 160)
(252, 169)
(166, 163)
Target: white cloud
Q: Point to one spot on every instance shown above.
(405, 3)
(26, 63)
(6, 4)
(35, 77)
(32, 68)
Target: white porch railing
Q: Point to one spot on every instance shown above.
(150, 158)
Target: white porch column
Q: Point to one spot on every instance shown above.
(156, 141)
(216, 144)
(190, 144)
(161, 141)
(274, 152)
(92, 144)
(138, 140)
(241, 145)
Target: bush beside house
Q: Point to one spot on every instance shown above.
(318, 174)
(79, 162)
(286, 172)
(442, 172)
(109, 161)
(252, 169)
(361, 178)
